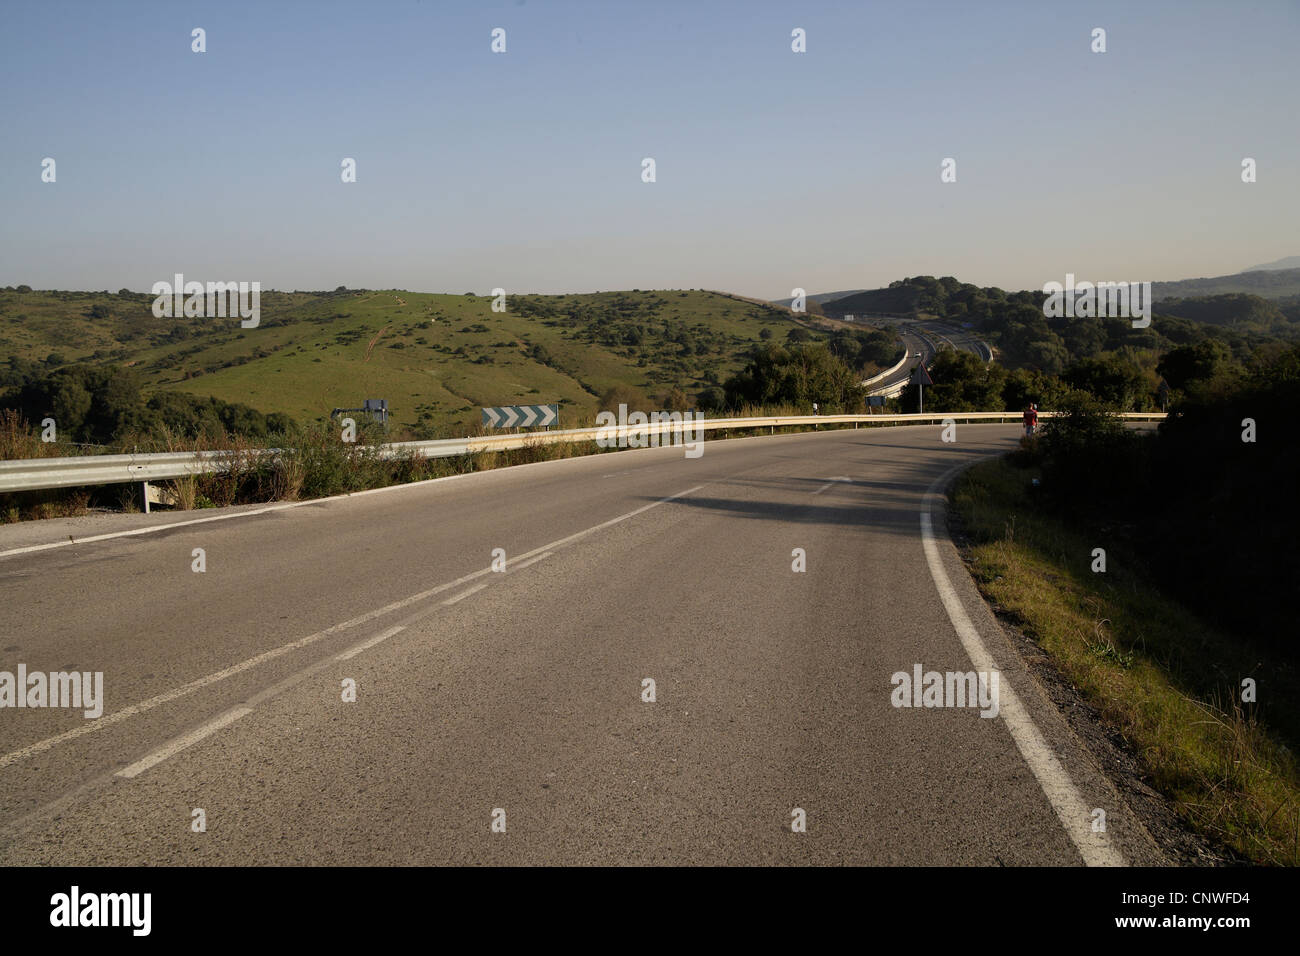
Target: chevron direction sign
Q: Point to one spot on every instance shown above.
(521, 416)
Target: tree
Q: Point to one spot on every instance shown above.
(711, 399)
(1048, 355)
(1112, 379)
(1202, 362)
(69, 404)
(962, 383)
(1088, 454)
(674, 400)
(1084, 337)
(845, 346)
(798, 375)
(1023, 386)
(617, 395)
(103, 405)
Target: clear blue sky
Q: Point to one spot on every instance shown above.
(523, 170)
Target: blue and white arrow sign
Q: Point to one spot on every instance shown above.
(521, 416)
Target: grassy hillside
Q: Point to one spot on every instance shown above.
(435, 358)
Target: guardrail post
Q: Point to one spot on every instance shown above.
(93, 470)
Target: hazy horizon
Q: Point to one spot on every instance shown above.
(522, 170)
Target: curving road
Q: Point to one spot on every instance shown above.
(923, 340)
(523, 691)
(920, 349)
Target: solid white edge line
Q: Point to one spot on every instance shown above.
(1055, 781)
(180, 743)
(281, 506)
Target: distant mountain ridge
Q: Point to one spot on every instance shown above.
(1273, 282)
(823, 297)
(1266, 283)
(1290, 262)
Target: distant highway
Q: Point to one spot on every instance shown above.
(683, 661)
(921, 348)
(924, 341)
(963, 340)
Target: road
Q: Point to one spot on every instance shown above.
(920, 348)
(955, 337)
(523, 691)
(923, 340)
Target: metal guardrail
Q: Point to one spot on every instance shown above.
(35, 474)
(40, 474)
(879, 376)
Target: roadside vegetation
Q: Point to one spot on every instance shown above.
(1185, 642)
(1015, 324)
(310, 461)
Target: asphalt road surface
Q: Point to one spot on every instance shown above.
(919, 350)
(522, 691)
(954, 335)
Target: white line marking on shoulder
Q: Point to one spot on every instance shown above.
(1059, 789)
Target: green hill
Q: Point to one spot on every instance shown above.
(1236, 309)
(900, 298)
(1267, 283)
(435, 358)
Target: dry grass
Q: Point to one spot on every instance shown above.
(19, 440)
(1166, 680)
(184, 492)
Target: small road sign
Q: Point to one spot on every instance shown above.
(920, 378)
(376, 408)
(521, 416)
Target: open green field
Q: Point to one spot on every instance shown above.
(436, 358)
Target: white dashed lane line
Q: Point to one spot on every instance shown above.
(464, 594)
(108, 720)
